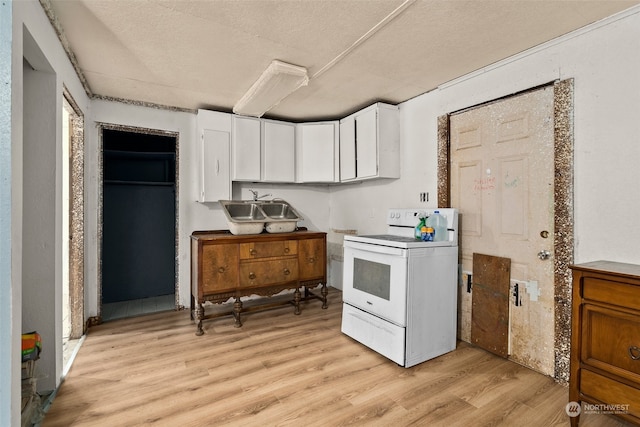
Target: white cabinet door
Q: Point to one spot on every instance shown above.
(213, 130)
(278, 154)
(388, 141)
(216, 179)
(367, 144)
(246, 149)
(347, 148)
(317, 152)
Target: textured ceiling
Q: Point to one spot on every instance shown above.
(206, 53)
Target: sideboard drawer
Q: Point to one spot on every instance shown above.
(264, 273)
(610, 292)
(258, 249)
(611, 341)
(614, 393)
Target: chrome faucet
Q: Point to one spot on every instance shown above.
(256, 197)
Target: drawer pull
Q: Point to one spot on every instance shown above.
(221, 270)
(634, 352)
(286, 272)
(311, 260)
(253, 252)
(252, 276)
(286, 250)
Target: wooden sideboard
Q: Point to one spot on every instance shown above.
(605, 340)
(226, 266)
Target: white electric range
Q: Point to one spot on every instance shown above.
(400, 293)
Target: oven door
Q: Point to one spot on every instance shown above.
(375, 280)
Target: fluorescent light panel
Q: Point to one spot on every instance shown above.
(277, 82)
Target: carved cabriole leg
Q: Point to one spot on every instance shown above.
(237, 308)
(296, 301)
(199, 316)
(324, 293)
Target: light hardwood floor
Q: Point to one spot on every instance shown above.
(285, 370)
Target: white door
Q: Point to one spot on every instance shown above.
(502, 182)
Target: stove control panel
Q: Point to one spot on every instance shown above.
(405, 217)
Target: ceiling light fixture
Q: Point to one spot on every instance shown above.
(277, 82)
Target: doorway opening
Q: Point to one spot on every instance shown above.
(139, 222)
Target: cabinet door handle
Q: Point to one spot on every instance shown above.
(217, 167)
(252, 276)
(252, 252)
(221, 270)
(311, 260)
(286, 272)
(634, 352)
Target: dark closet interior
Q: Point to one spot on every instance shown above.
(139, 215)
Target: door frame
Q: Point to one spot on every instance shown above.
(101, 127)
(563, 107)
(76, 217)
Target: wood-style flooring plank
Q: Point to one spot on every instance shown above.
(280, 369)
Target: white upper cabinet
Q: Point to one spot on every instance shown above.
(213, 130)
(246, 148)
(317, 152)
(278, 151)
(364, 145)
(370, 143)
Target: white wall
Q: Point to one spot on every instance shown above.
(31, 32)
(604, 60)
(9, 341)
(39, 278)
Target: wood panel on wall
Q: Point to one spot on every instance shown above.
(490, 303)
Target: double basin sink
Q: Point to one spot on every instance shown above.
(254, 216)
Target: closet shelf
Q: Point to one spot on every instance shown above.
(148, 183)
